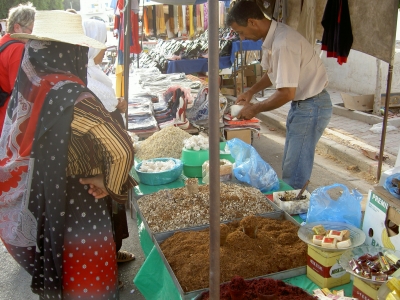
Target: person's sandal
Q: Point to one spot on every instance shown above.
(124, 256)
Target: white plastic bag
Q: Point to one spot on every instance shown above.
(377, 128)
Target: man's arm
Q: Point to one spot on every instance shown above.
(260, 85)
(277, 99)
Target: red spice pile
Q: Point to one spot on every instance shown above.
(267, 286)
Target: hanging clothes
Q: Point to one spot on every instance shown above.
(146, 22)
(198, 19)
(280, 11)
(184, 21)
(176, 24)
(134, 41)
(337, 37)
(171, 19)
(161, 29)
(221, 14)
(180, 18)
(205, 16)
(308, 22)
(191, 25)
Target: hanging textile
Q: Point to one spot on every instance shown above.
(180, 18)
(191, 25)
(185, 9)
(280, 11)
(154, 20)
(221, 14)
(205, 16)
(161, 29)
(307, 22)
(171, 18)
(337, 37)
(202, 16)
(176, 25)
(146, 22)
(198, 19)
(134, 41)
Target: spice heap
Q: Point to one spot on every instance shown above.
(263, 288)
(275, 248)
(168, 142)
(174, 209)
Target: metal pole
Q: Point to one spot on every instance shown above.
(388, 90)
(214, 137)
(127, 43)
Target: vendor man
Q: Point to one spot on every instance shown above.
(299, 75)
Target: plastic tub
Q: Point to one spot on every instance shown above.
(160, 177)
(292, 207)
(192, 171)
(194, 158)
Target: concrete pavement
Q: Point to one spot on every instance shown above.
(347, 133)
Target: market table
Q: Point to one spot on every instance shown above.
(198, 65)
(247, 45)
(154, 280)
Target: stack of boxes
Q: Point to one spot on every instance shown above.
(248, 75)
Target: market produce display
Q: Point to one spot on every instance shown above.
(174, 209)
(167, 142)
(263, 288)
(331, 236)
(371, 264)
(272, 246)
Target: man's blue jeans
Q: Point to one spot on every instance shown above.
(306, 121)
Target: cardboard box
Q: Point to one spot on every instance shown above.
(228, 86)
(361, 103)
(250, 70)
(364, 290)
(382, 219)
(323, 268)
(243, 134)
(251, 80)
(394, 100)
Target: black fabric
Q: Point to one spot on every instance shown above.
(337, 37)
(47, 199)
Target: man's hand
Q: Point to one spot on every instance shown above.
(122, 105)
(96, 186)
(248, 112)
(244, 98)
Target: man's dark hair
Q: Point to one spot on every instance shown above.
(242, 11)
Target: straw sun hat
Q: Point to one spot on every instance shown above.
(59, 26)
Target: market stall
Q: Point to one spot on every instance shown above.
(163, 283)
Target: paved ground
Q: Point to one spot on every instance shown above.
(345, 137)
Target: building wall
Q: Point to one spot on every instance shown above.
(359, 74)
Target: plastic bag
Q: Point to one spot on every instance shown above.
(345, 209)
(392, 185)
(251, 168)
(377, 128)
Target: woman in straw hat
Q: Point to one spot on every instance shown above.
(60, 156)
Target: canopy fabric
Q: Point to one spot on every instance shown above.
(184, 2)
(373, 24)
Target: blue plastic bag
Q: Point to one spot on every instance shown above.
(392, 186)
(251, 168)
(345, 209)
